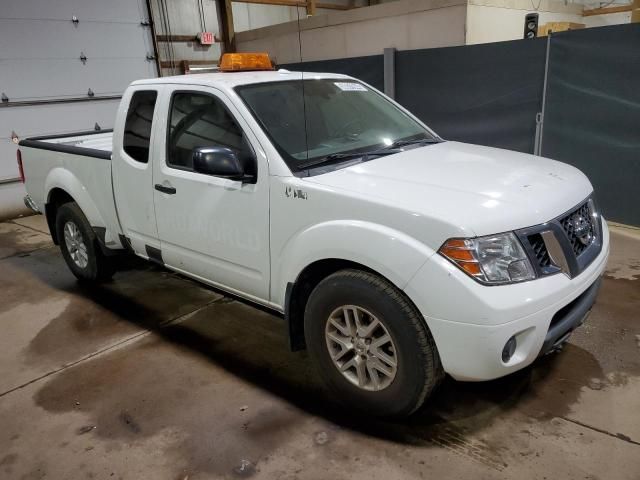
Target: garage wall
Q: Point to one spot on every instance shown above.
(182, 17)
(404, 24)
(500, 20)
(247, 16)
(46, 83)
(608, 19)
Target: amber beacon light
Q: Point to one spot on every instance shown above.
(243, 62)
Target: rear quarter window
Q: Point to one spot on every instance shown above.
(137, 127)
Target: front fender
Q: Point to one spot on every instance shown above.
(63, 179)
(389, 252)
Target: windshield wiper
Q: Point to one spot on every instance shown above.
(344, 156)
(387, 150)
(404, 143)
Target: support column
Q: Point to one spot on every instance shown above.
(225, 19)
(311, 8)
(390, 72)
(537, 147)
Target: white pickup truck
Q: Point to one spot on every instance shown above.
(394, 256)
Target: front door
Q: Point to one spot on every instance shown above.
(213, 228)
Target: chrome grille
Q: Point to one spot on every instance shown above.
(580, 229)
(567, 243)
(540, 250)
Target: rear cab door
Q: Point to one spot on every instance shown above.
(212, 228)
(132, 169)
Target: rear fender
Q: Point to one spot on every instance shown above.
(63, 179)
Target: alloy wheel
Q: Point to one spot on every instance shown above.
(361, 348)
(75, 244)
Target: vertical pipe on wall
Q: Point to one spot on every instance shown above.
(152, 26)
(390, 72)
(540, 123)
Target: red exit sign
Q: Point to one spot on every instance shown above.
(207, 38)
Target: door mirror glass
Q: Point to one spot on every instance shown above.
(218, 161)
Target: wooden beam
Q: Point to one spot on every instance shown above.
(176, 38)
(311, 8)
(180, 63)
(606, 10)
(635, 13)
(225, 18)
(296, 3)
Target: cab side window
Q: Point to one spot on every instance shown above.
(201, 120)
(137, 127)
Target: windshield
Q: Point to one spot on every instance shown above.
(337, 116)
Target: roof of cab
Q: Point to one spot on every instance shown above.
(233, 79)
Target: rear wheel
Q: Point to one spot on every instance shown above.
(372, 347)
(79, 245)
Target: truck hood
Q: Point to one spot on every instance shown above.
(477, 190)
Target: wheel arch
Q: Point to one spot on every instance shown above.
(64, 187)
(298, 292)
(321, 249)
(56, 198)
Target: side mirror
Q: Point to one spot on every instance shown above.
(219, 162)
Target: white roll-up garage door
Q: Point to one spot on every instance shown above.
(63, 66)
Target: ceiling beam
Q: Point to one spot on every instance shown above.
(606, 10)
(297, 3)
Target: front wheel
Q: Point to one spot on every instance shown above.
(370, 344)
(79, 245)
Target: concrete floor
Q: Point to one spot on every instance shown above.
(153, 376)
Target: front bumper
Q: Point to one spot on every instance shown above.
(471, 323)
(570, 317)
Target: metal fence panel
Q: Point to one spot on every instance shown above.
(592, 117)
(369, 69)
(485, 94)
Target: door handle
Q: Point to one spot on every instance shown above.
(165, 189)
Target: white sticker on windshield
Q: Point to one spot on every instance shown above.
(350, 87)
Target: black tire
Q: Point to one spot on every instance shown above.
(98, 267)
(419, 370)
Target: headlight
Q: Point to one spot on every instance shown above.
(494, 259)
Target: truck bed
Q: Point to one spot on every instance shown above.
(95, 143)
(74, 163)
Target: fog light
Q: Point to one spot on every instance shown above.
(509, 349)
